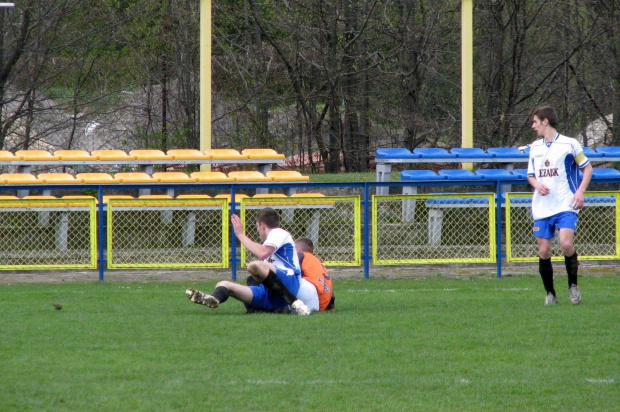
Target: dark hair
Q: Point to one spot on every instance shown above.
(547, 112)
(305, 244)
(268, 216)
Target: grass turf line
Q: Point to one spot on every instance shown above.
(397, 344)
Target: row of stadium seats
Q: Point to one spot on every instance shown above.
(238, 197)
(490, 174)
(143, 154)
(157, 177)
(436, 153)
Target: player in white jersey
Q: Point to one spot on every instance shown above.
(553, 171)
(279, 283)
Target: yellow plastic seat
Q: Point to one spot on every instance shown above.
(155, 197)
(111, 154)
(149, 154)
(264, 195)
(79, 197)
(35, 155)
(57, 178)
(248, 176)
(187, 154)
(225, 154)
(307, 195)
(173, 177)
(194, 197)
(262, 154)
(18, 178)
(97, 177)
(6, 156)
(287, 176)
(8, 197)
(134, 177)
(213, 177)
(74, 155)
(39, 197)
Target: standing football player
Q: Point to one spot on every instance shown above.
(553, 172)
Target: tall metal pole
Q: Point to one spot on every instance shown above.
(467, 76)
(205, 78)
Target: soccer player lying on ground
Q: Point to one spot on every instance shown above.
(278, 274)
(315, 272)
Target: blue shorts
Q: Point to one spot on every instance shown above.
(545, 228)
(266, 299)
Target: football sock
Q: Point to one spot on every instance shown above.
(546, 273)
(221, 293)
(572, 267)
(274, 283)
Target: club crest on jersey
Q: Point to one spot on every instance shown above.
(547, 163)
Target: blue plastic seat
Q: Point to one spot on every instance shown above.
(605, 173)
(433, 153)
(609, 151)
(420, 175)
(459, 174)
(471, 153)
(520, 173)
(495, 174)
(591, 154)
(506, 152)
(593, 200)
(395, 153)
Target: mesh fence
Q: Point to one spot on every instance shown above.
(596, 237)
(333, 224)
(433, 228)
(46, 234)
(167, 233)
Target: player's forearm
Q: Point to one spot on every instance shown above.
(587, 176)
(256, 249)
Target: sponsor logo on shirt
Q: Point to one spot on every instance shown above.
(548, 172)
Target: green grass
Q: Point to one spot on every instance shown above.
(436, 343)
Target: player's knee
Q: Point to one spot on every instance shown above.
(225, 283)
(544, 253)
(258, 270)
(567, 247)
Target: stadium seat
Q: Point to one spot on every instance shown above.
(287, 176)
(307, 194)
(420, 175)
(262, 154)
(605, 173)
(97, 178)
(35, 155)
(186, 154)
(194, 197)
(395, 153)
(592, 154)
(238, 197)
(149, 154)
(609, 151)
(495, 174)
(471, 153)
(155, 197)
(135, 177)
(112, 154)
(506, 152)
(39, 197)
(6, 156)
(433, 153)
(57, 178)
(107, 198)
(8, 197)
(248, 176)
(173, 177)
(459, 174)
(74, 155)
(211, 177)
(267, 195)
(520, 173)
(18, 178)
(225, 154)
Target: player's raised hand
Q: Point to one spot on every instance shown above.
(237, 225)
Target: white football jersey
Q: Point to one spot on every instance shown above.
(556, 165)
(285, 256)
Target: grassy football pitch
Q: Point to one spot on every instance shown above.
(435, 343)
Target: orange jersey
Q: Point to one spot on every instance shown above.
(313, 270)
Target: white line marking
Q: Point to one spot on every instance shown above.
(399, 290)
(603, 380)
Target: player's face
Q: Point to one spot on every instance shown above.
(539, 126)
(262, 232)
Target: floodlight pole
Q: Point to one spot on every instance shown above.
(467, 75)
(205, 78)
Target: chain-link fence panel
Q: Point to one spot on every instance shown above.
(333, 223)
(596, 237)
(433, 228)
(173, 233)
(48, 234)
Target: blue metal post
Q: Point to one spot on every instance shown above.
(233, 238)
(366, 256)
(101, 261)
(498, 236)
